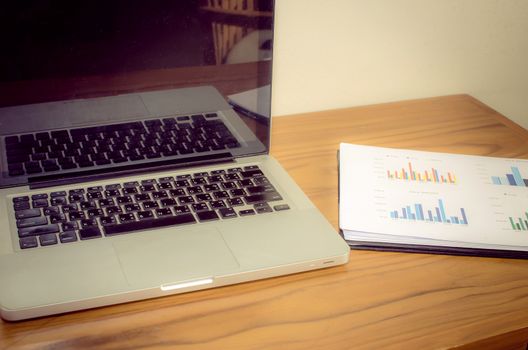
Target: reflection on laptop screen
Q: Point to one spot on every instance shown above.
(89, 88)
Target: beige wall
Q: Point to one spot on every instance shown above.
(341, 53)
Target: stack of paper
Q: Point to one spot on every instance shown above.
(395, 199)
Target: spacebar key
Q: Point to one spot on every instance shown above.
(149, 224)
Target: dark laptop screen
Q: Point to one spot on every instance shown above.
(55, 51)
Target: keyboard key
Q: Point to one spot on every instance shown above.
(124, 200)
(16, 170)
(251, 167)
(106, 202)
(90, 232)
(207, 215)
(263, 208)
(215, 178)
(246, 212)
(68, 208)
(60, 134)
(59, 201)
(88, 222)
(165, 185)
(147, 188)
(233, 176)
(51, 210)
(40, 203)
(76, 215)
(218, 204)
(10, 140)
(149, 224)
(94, 212)
(94, 195)
(34, 221)
(181, 209)
(108, 220)
(127, 217)
(260, 180)
(57, 218)
(221, 194)
(113, 210)
(166, 202)
(177, 192)
(27, 213)
(181, 183)
(199, 181)
(200, 207)
(48, 239)
(238, 192)
(113, 187)
(260, 189)
(67, 237)
(70, 225)
(28, 242)
(38, 230)
(86, 205)
(130, 190)
(233, 202)
(21, 205)
(21, 199)
(140, 197)
(74, 198)
(131, 184)
(145, 214)
(159, 194)
(227, 213)
(185, 199)
(163, 212)
(281, 207)
(166, 179)
(39, 196)
(263, 197)
(194, 189)
(204, 197)
(130, 207)
(245, 183)
(150, 205)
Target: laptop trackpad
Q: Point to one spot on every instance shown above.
(173, 255)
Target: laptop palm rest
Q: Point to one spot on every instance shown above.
(172, 256)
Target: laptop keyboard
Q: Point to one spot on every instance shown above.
(61, 217)
(43, 152)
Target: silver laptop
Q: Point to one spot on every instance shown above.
(125, 173)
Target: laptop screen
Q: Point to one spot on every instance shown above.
(174, 80)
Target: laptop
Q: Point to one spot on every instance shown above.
(125, 173)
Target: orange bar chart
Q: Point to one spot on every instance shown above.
(431, 175)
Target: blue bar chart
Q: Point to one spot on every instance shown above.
(435, 214)
(511, 179)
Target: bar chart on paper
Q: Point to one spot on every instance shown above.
(414, 174)
(515, 178)
(406, 199)
(519, 223)
(436, 214)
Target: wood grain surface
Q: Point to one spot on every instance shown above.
(377, 301)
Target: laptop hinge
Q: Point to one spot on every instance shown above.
(36, 182)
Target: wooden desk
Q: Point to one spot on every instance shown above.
(377, 301)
